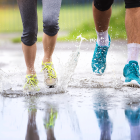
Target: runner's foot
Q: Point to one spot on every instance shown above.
(31, 83)
(131, 74)
(50, 77)
(99, 58)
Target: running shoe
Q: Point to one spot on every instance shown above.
(99, 58)
(50, 77)
(31, 83)
(131, 74)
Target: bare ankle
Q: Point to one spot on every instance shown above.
(29, 71)
(46, 59)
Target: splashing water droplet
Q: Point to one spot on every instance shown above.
(5, 82)
(69, 67)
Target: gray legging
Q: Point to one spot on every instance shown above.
(28, 10)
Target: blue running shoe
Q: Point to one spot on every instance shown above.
(131, 74)
(99, 58)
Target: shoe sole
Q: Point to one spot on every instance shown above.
(51, 86)
(98, 74)
(132, 83)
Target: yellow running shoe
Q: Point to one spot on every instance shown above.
(31, 83)
(50, 77)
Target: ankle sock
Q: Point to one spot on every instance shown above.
(102, 38)
(133, 51)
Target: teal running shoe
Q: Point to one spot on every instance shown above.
(99, 58)
(131, 74)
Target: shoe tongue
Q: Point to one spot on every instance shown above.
(133, 62)
(48, 63)
(30, 76)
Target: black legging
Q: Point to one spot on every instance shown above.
(28, 10)
(104, 5)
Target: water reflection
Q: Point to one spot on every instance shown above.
(133, 117)
(66, 117)
(104, 123)
(49, 120)
(32, 133)
(102, 103)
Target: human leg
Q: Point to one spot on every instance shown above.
(28, 10)
(51, 9)
(101, 13)
(132, 22)
(48, 45)
(29, 54)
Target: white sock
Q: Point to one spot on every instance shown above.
(102, 38)
(133, 51)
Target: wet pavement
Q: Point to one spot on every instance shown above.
(92, 108)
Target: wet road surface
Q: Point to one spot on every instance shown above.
(93, 107)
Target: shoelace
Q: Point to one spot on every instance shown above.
(31, 80)
(50, 70)
(101, 53)
(53, 117)
(134, 69)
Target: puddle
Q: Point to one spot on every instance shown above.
(93, 107)
(79, 114)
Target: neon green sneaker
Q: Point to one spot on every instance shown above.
(50, 77)
(31, 83)
(50, 120)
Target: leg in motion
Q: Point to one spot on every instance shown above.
(51, 28)
(101, 13)
(132, 22)
(28, 11)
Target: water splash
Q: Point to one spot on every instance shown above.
(68, 70)
(5, 83)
